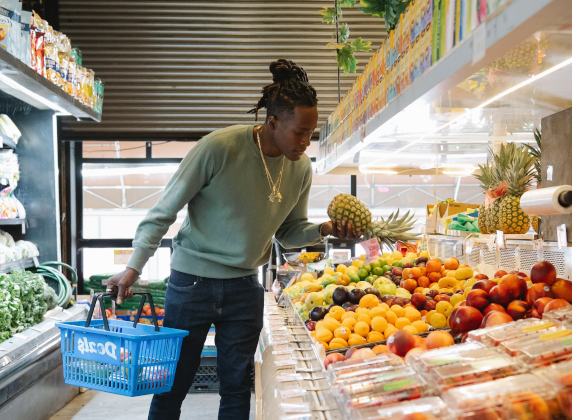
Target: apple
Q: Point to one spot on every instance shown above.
(333, 358)
(543, 272)
(485, 285)
(481, 277)
(493, 307)
(465, 318)
(501, 294)
(500, 274)
(478, 298)
(516, 285)
(555, 304)
(537, 291)
(518, 309)
(400, 342)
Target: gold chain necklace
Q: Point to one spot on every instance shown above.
(274, 187)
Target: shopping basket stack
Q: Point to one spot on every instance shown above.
(120, 357)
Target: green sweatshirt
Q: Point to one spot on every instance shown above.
(230, 220)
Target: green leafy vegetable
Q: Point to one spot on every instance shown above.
(349, 3)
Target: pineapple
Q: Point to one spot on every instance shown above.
(501, 163)
(347, 207)
(394, 229)
(519, 176)
(487, 179)
(534, 222)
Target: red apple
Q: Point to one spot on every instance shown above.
(333, 358)
(516, 285)
(481, 277)
(400, 342)
(540, 305)
(499, 274)
(543, 272)
(537, 291)
(493, 307)
(518, 309)
(485, 285)
(501, 294)
(478, 298)
(466, 318)
(498, 318)
(555, 304)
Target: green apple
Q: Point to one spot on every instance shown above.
(362, 273)
(397, 263)
(378, 271)
(382, 261)
(386, 268)
(367, 268)
(387, 289)
(375, 264)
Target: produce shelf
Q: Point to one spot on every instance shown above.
(14, 222)
(7, 142)
(20, 81)
(19, 264)
(411, 118)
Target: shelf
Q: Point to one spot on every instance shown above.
(7, 142)
(438, 106)
(19, 264)
(14, 222)
(20, 81)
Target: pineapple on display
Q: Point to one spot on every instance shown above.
(487, 180)
(519, 176)
(394, 229)
(536, 155)
(501, 162)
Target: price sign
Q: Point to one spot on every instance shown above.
(470, 245)
(491, 243)
(562, 239)
(500, 239)
(122, 256)
(371, 248)
(537, 245)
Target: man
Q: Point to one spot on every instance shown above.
(242, 184)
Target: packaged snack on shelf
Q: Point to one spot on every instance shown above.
(25, 19)
(51, 57)
(15, 32)
(542, 350)
(472, 372)
(560, 376)
(357, 367)
(39, 49)
(7, 10)
(428, 408)
(426, 361)
(516, 397)
(64, 55)
(76, 54)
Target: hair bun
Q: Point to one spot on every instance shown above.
(283, 70)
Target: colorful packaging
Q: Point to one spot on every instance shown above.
(51, 57)
(7, 11)
(39, 51)
(64, 55)
(15, 32)
(25, 41)
(450, 25)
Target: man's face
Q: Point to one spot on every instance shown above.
(292, 132)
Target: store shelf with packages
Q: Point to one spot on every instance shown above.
(20, 81)
(444, 106)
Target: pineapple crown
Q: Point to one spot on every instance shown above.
(520, 172)
(486, 176)
(536, 154)
(392, 230)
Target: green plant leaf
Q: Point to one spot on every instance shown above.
(346, 59)
(336, 46)
(349, 3)
(329, 15)
(359, 45)
(393, 10)
(373, 7)
(344, 33)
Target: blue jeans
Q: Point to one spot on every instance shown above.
(235, 307)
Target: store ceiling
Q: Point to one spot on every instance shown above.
(180, 69)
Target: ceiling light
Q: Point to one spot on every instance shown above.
(384, 170)
(459, 170)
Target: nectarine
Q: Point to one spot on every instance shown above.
(562, 289)
(493, 307)
(437, 339)
(481, 277)
(465, 318)
(537, 291)
(543, 272)
(518, 309)
(485, 285)
(516, 285)
(501, 294)
(539, 306)
(499, 274)
(555, 304)
(401, 342)
(418, 300)
(333, 358)
(498, 318)
(478, 298)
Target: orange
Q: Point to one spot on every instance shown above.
(364, 318)
(434, 277)
(356, 340)
(411, 329)
(379, 324)
(423, 270)
(324, 335)
(349, 314)
(349, 323)
(406, 273)
(375, 336)
(338, 343)
(362, 329)
(415, 273)
(402, 322)
(420, 326)
(412, 314)
(398, 310)
(342, 332)
(377, 311)
(423, 281)
(391, 317)
(434, 266)
(369, 301)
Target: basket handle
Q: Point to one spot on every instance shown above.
(100, 296)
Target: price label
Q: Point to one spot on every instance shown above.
(122, 256)
(537, 244)
(371, 248)
(470, 245)
(500, 239)
(562, 239)
(143, 282)
(491, 243)
(292, 393)
(289, 377)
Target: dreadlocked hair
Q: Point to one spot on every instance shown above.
(290, 88)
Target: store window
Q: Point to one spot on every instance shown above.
(172, 149)
(102, 261)
(113, 149)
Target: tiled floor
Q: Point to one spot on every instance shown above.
(100, 405)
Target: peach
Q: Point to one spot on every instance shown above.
(493, 307)
(401, 342)
(499, 274)
(485, 285)
(465, 318)
(423, 281)
(518, 309)
(498, 318)
(410, 285)
(350, 352)
(418, 300)
(478, 298)
(481, 277)
(434, 266)
(537, 291)
(434, 277)
(543, 272)
(555, 304)
(516, 285)
(540, 305)
(443, 297)
(380, 348)
(430, 305)
(437, 339)
(333, 358)
(452, 263)
(501, 294)
(562, 289)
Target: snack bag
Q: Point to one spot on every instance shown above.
(15, 33)
(64, 55)
(51, 57)
(25, 19)
(7, 10)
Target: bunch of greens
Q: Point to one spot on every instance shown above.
(31, 295)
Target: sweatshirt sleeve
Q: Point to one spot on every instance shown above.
(296, 231)
(196, 169)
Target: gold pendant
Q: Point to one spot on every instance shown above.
(279, 196)
(271, 197)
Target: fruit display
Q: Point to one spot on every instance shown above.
(347, 208)
(560, 376)
(428, 408)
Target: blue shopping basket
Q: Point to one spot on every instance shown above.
(118, 356)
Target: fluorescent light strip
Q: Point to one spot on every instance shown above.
(136, 170)
(484, 104)
(35, 96)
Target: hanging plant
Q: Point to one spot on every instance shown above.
(388, 9)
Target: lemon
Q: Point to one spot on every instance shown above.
(397, 255)
(389, 260)
(357, 263)
(329, 270)
(341, 269)
(307, 277)
(352, 269)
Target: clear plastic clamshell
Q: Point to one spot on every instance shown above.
(518, 329)
(428, 360)
(560, 376)
(542, 350)
(360, 367)
(429, 408)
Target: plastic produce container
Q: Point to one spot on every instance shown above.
(360, 367)
(560, 314)
(429, 408)
(427, 361)
(517, 397)
(560, 376)
(518, 329)
(542, 350)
